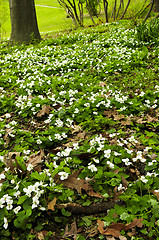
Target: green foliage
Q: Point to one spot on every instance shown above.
(148, 32)
(78, 120)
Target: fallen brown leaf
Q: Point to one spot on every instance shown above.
(45, 110)
(73, 182)
(115, 228)
(72, 232)
(155, 193)
(76, 128)
(9, 159)
(52, 204)
(124, 182)
(6, 136)
(41, 235)
(110, 238)
(122, 238)
(36, 159)
(134, 223)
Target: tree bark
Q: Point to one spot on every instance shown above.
(99, 207)
(24, 27)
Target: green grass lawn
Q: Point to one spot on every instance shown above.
(52, 19)
(49, 19)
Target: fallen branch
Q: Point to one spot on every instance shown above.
(99, 207)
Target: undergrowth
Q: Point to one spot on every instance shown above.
(79, 136)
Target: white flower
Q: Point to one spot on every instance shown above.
(92, 167)
(1, 184)
(5, 225)
(2, 176)
(8, 115)
(142, 94)
(121, 187)
(30, 167)
(95, 113)
(75, 146)
(2, 201)
(117, 154)
(17, 194)
(58, 136)
(143, 179)
(59, 123)
(126, 161)
(17, 209)
(42, 208)
(132, 139)
(76, 110)
(50, 139)
(28, 190)
(39, 141)
(107, 153)
(110, 164)
(35, 201)
(64, 135)
(63, 175)
(87, 104)
(96, 160)
(1, 158)
(12, 181)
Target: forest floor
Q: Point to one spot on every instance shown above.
(79, 143)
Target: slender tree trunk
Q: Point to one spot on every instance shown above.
(24, 27)
(148, 14)
(125, 9)
(105, 3)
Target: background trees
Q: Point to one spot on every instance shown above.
(24, 27)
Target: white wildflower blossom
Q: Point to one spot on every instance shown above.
(63, 175)
(59, 123)
(5, 225)
(17, 209)
(117, 154)
(7, 115)
(126, 161)
(92, 167)
(2, 176)
(38, 141)
(1, 158)
(30, 167)
(143, 179)
(110, 164)
(16, 194)
(76, 110)
(107, 153)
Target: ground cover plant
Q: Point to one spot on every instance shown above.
(79, 137)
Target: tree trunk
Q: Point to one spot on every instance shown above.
(24, 27)
(156, 5)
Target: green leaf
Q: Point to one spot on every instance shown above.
(124, 216)
(87, 221)
(65, 213)
(22, 199)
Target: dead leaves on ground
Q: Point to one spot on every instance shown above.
(11, 161)
(36, 159)
(44, 111)
(114, 229)
(73, 182)
(72, 232)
